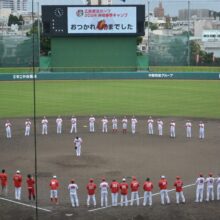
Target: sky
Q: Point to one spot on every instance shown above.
(171, 6)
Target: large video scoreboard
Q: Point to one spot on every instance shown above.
(59, 20)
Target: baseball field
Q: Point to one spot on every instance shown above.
(113, 155)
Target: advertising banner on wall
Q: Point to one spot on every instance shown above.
(95, 20)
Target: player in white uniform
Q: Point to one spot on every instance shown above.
(73, 187)
(210, 187)
(27, 127)
(44, 123)
(160, 127)
(59, 122)
(114, 124)
(8, 129)
(92, 123)
(200, 182)
(133, 125)
(150, 125)
(73, 121)
(218, 187)
(201, 130)
(77, 142)
(104, 125)
(188, 127)
(104, 192)
(124, 125)
(172, 129)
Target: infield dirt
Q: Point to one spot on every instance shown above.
(112, 155)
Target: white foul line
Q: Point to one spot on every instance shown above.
(27, 205)
(155, 194)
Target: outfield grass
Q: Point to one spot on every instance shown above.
(120, 97)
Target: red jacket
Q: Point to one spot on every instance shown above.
(17, 180)
(124, 188)
(54, 184)
(134, 186)
(163, 184)
(114, 186)
(91, 187)
(30, 183)
(4, 179)
(148, 186)
(179, 185)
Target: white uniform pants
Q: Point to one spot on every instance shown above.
(160, 130)
(218, 192)
(199, 194)
(210, 193)
(135, 196)
(133, 129)
(114, 127)
(44, 129)
(172, 132)
(178, 196)
(150, 129)
(124, 200)
(189, 132)
(59, 129)
(8, 132)
(202, 133)
(27, 131)
(114, 199)
(147, 198)
(78, 151)
(53, 194)
(91, 127)
(93, 199)
(164, 194)
(104, 199)
(104, 128)
(74, 200)
(73, 128)
(18, 193)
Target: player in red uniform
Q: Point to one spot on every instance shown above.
(134, 191)
(54, 185)
(4, 183)
(124, 192)
(17, 184)
(147, 187)
(114, 186)
(163, 190)
(179, 190)
(30, 185)
(91, 188)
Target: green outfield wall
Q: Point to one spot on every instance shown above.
(93, 54)
(109, 75)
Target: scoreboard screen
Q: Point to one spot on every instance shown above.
(66, 20)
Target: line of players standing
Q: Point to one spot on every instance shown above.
(116, 188)
(105, 121)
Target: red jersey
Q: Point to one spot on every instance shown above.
(134, 186)
(124, 188)
(179, 185)
(54, 184)
(30, 183)
(17, 180)
(91, 187)
(114, 186)
(4, 179)
(148, 186)
(163, 184)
